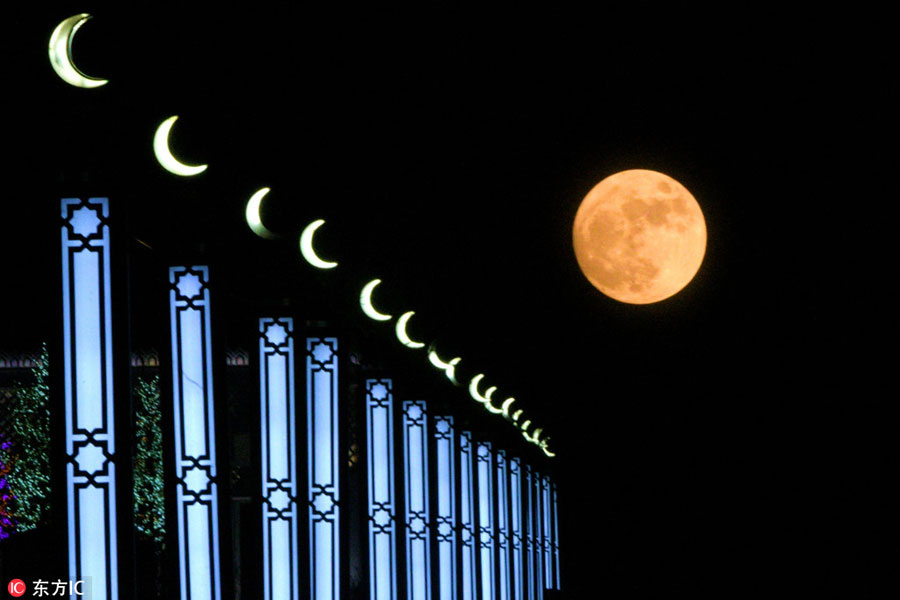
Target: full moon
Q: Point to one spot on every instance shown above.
(639, 236)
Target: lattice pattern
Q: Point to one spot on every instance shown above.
(486, 525)
(503, 545)
(467, 516)
(418, 526)
(557, 580)
(89, 403)
(445, 520)
(323, 466)
(278, 437)
(517, 538)
(197, 481)
(382, 505)
(538, 541)
(546, 531)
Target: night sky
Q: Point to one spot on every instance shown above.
(448, 151)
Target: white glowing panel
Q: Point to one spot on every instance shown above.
(196, 487)
(504, 582)
(278, 440)
(382, 505)
(418, 527)
(467, 540)
(486, 536)
(89, 403)
(323, 466)
(445, 519)
(516, 530)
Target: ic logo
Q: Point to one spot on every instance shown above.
(16, 588)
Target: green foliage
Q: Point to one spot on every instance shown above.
(29, 465)
(149, 499)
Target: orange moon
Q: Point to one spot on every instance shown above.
(639, 236)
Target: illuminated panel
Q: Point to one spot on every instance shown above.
(322, 454)
(486, 542)
(446, 507)
(555, 543)
(415, 451)
(529, 534)
(546, 533)
(467, 516)
(538, 548)
(516, 531)
(278, 439)
(382, 531)
(196, 485)
(89, 404)
(503, 583)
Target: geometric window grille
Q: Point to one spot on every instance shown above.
(445, 521)
(278, 440)
(486, 537)
(196, 488)
(535, 493)
(382, 506)
(516, 532)
(89, 406)
(545, 511)
(503, 526)
(467, 516)
(555, 543)
(530, 552)
(323, 467)
(415, 452)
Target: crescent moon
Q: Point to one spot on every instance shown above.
(473, 389)
(60, 51)
(490, 407)
(449, 368)
(306, 246)
(164, 155)
(401, 331)
(252, 214)
(547, 452)
(506, 404)
(525, 425)
(365, 302)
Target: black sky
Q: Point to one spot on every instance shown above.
(448, 150)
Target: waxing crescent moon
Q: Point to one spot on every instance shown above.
(60, 51)
(306, 246)
(449, 368)
(401, 331)
(365, 302)
(476, 395)
(252, 214)
(506, 404)
(164, 155)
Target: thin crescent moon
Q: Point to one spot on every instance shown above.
(252, 215)
(449, 368)
(547, 452)
(60, 52)
(401, 331)
(473, 389)
(516, 415)
(365, 302)
(525, 425)
(306, 246)
(164, 155)
(491, 408)
(506, 404)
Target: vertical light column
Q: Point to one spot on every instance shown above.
(555, 543)
(503, 583)
(547, 533)
(278, 438)
(467, 515)
(516, 532)
(536, 503)
(382, 507)
(486, 542)
(196, 487)
(323, 466)
(89, 404)
(529, 534)
(418, 544)
(446, 506)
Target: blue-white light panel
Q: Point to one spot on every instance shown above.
(89, 403)
(538, 529)
(382, 504)
(418, 529)
(196, 487)
(504, 582)
(486, 535)
(445, 519)
(557, 579)
(530, 554)
(547, 533)
(516, 531)
(278, 440)
(323, 467)
(467, 529)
